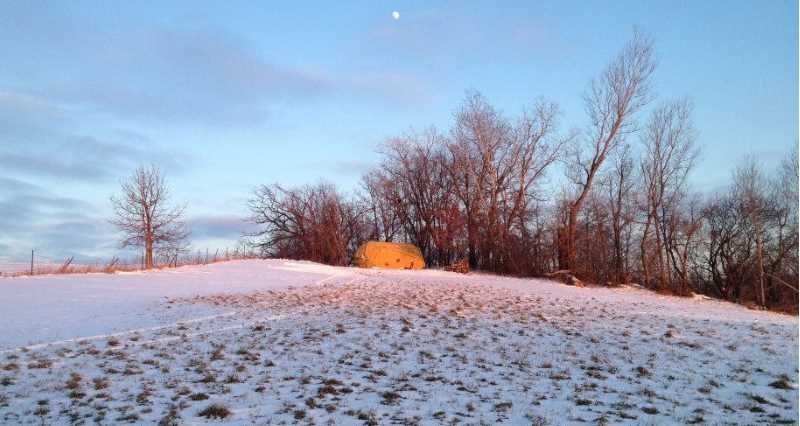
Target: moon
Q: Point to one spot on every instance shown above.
(396, 15)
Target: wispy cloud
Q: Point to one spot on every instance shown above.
(24, 117)
(209, 77)
(84, 104)
(56, 226)
(40, 138)
(229, 227)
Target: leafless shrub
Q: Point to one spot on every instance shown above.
(215, 411)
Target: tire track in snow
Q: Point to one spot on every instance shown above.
(215, 330)
(156, 328)
(352, 279)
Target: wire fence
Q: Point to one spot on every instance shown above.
(43, 263)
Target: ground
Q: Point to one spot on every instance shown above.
(281, 342)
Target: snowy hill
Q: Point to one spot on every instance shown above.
(280, 341)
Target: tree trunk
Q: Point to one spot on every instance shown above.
(662, 279)
(567, 257)
(148, 254)
(471, 253)
(618, 268)
(760, 260)
(643, 253)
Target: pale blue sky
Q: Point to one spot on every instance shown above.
(228, 95)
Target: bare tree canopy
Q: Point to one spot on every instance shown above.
(750, 238)
(495, 165)
(314, 222)
(144, 215)
(611, 102)
(669, 156)
(476, 193)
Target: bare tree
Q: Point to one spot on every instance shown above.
(669, 156)
(722, 231)
(785, 199)
(750, 188)
(419, 190)
(479, 143)
(495, 165)
(531, 150)
(682, 239)
(611, 102)
(750, 237)
(313, 222)
(144, 215)
(619, 186)
(375, 196)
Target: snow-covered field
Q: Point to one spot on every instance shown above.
(281, 342)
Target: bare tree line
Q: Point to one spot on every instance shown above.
(626, 213)
(477, 192)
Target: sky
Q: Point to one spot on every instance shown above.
(224, 96)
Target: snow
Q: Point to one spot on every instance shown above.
(45, 308)
(288, 342)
